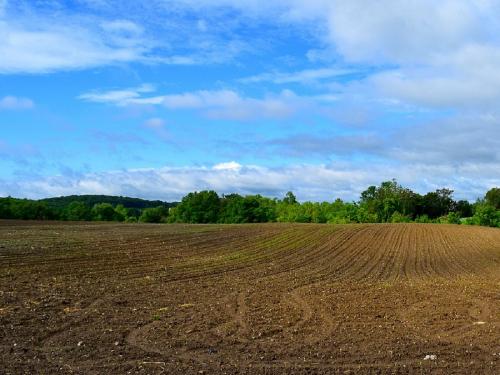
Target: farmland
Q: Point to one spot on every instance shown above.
(262, 298)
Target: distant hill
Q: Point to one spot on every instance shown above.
(90, 200)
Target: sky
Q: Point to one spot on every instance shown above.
(157, 98)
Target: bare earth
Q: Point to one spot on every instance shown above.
(252, 299)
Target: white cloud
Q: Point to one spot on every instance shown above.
(454, 141)
(118, 97)
(227, 104)
(13, 102)
(122, 27)
(373, 33)
(218, 104)
(41, 47)
(442, 55)
(229, 166)
(49, 37)
(403, 32)
(308, 181)
(304, 76)
(386, 30)
(445, 90)
(464, 79)
(446, 142)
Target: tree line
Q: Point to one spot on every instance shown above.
(91, 200)
(387, 203)
(86, 208)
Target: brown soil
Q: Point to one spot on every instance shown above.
(251, 299)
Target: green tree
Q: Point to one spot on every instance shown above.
(77, 211)
(26, 209)
(438, 203)
(363, 216)
(199, 207)
(463, 208)
(258, 209)
(130, 214)
(290, 198)
(339, 212)
(232, 209)
(485, 214)
(154, 215)
(317, 212)
(493, 197)
(5, 211)
(388, 198)
(105, 212)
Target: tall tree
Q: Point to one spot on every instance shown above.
(438, 203)
(290, 198)
(388, 198)
(493, 197)
(77, 211)
(199, 207)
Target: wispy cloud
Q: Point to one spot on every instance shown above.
(158, 127)
(303, 76)
(48, 37)
(39, 46)
(218, 104)
(121, 97)
(227, 104)
(15, 103)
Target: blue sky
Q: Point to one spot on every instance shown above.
(157, 98)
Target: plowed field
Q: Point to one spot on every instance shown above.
(252, 299)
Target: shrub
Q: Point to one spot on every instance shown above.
(423, 219)
(453, 218)
(487, 215)
(363, 216)
(154, 215)
(397, 217)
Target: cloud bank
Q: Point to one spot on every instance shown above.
(308, 181)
